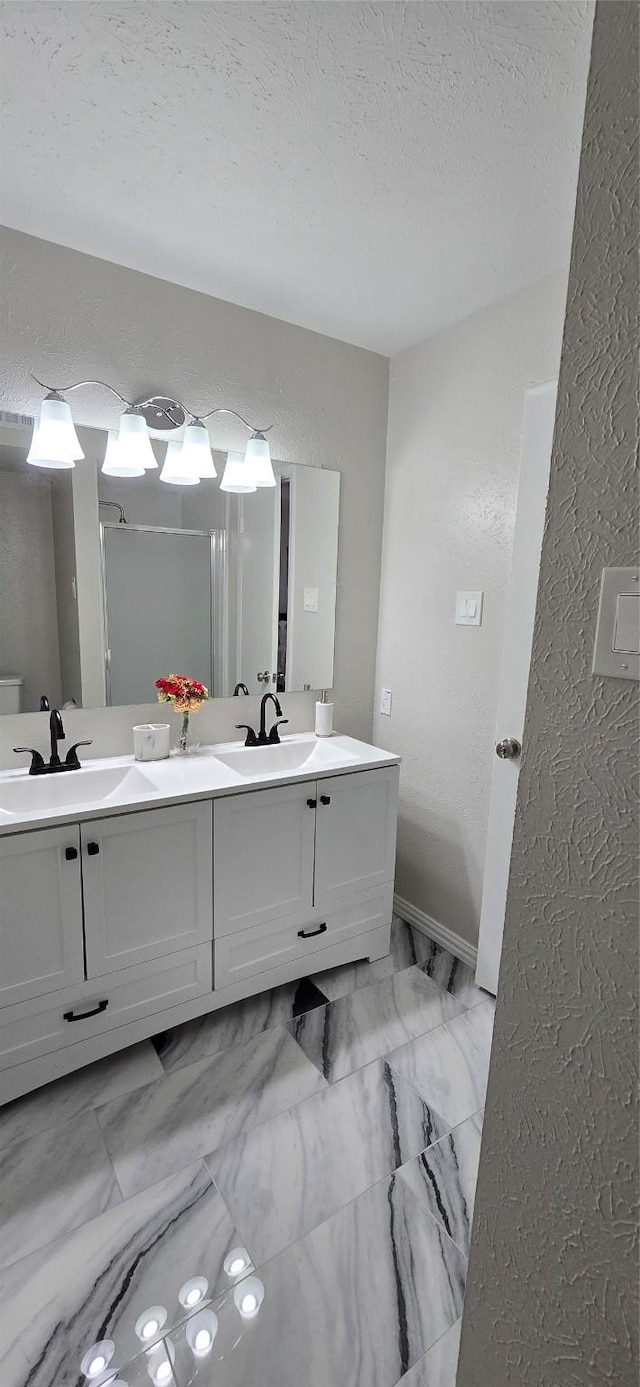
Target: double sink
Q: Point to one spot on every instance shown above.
(23, 794)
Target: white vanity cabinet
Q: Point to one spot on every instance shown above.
(355, 844)
(114, 926)
(301, 869)
(146, 885)
(102, 924)
(41, 941)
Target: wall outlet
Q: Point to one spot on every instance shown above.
(385, 702)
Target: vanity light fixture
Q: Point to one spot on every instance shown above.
(129, 453)
(134, 445)
(195, 453)
(258, 458)
(115, 462)
(55, 442)
(237, 475)
(176, 471)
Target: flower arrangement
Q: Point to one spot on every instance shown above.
(185, 695)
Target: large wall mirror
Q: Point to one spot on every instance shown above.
(106, 584)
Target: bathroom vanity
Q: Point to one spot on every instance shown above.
(134, 898)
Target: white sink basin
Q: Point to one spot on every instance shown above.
(28, 793)
(254, 762)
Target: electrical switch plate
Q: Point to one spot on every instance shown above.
(385, 702)
(311, 599)
(617, 647)
(469, 608)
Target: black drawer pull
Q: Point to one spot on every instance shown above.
(308, 934)
(312, 803)
(325, 799)
(93, 849)
(84, 1016)
(71, 854)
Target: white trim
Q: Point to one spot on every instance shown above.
(440, 934)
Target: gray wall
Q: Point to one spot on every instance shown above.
(551, 1298)
(28, 619)
(456, 405)
(71, 316)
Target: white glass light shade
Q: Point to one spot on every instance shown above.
(248, 1296)
(55, 442)
(134, 444)
(115, 463)
(258, 459)
(196, 451)
(97, 1358)
(174, 471)
(37, 458)
(193, 1291)
(201, 1332)
(237, 474)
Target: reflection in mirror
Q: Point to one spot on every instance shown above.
(107, 583)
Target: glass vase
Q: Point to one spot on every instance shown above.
(184, 733)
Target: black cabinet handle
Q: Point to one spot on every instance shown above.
(312, 803)
(325, 799)
(71, 854)
(93, 849)
(308, 934)
(84, 1015)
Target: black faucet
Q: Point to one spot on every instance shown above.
(57, 735)
(38, 764)
(240, 689)
(264, 738)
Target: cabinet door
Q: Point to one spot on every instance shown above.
(41, 945)
(355, 833)
(147, 885)
(263, 856)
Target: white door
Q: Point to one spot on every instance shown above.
(263, 856)
(259, 549)
(537, 438)
(147, 885)
(355, 834)
(41, 944)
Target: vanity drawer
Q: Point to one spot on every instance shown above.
(34, 1028)
(271, 945)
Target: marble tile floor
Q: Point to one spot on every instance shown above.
(322, 1141)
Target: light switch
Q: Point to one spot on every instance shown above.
(626, 636)
(617, 646)
(469, 608)
(311, 599)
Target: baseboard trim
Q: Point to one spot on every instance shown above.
(440, 934)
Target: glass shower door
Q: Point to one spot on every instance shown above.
(158, 609)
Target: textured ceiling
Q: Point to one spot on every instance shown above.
(372, 171)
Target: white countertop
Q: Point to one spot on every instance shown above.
(115, 784)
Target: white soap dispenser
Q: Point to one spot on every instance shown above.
(324, 716)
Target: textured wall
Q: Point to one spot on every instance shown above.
(551, 1298)
(71, 317)
(456, 406)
